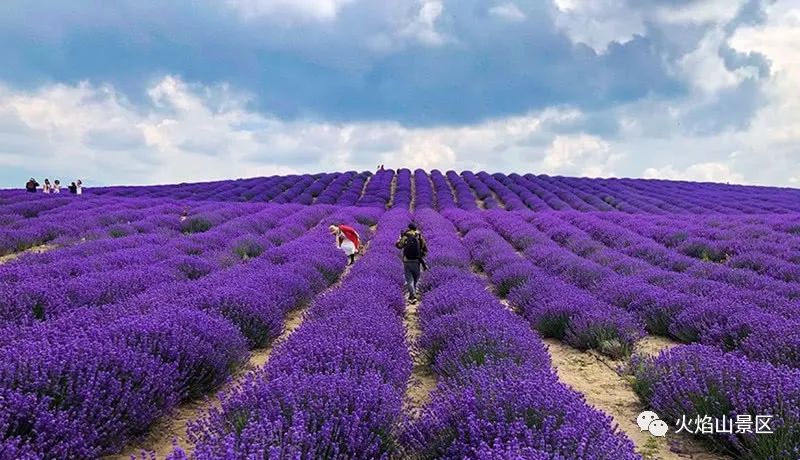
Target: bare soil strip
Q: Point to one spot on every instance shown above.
(450, 187)
(433, 191)
(34, 250)
(422, 380)
(497, 199)
(364, 187)
(595, 377)
(481, 204)
(392, 189)
(159, 439)
(654, 344)
(412, 205)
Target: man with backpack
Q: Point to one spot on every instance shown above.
(414, 251)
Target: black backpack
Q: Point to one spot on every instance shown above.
(411, 250)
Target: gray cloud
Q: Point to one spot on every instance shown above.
(364, 83)
(121, 138)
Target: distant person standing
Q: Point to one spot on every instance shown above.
(414, 250)
(31, 185)
(347, 239)
(56, 186)
(79, 187)
(46, 187)
(73, 188)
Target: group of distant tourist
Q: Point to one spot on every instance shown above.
(75, 188)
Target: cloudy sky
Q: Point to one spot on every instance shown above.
(153, 92)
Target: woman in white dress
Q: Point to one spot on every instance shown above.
(347, 239)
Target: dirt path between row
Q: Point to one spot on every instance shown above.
(412, 205)
(423, 380)
(392, 189)
(32, 250)
(594, 376)
(160, 438)
(171, 430)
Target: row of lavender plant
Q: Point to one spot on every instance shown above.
(31, 222)
(303, 189)
(555, 307)
(636, 196)
(43, 286)
(515, 192)
(244, 306)
(696, 275)
(753, 242)
(482, 191)
(756, 322)
(354, 191)
(378, 190)
(293, 225)
(402, 190)
(334, 389)
(297, 189)
(90, 218)
(464, 194)
(84, 384)
(445, 197)
(582, 264)
(698, 381)
(423, 189)
(331, 193)
(697, 384)
(253, 189)
(497, 396)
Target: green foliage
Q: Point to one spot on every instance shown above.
(195, 224)
(553, 325)
(248, 248)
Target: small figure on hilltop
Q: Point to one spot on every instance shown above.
(414, 251)
(73, 188)
(46, 188)
(347, 239)
(56, 186)
(79, 187)
(31, 185)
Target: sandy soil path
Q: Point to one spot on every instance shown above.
(422, 380)
(34, 250)
(595, 376)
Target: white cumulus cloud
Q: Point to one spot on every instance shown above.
(597, 23)
(701, 172)
(423, 27)
(581, 155)
(507, 11)
(289, 10)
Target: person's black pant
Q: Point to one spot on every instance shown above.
(412, 271)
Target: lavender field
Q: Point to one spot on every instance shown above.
(218, 320)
